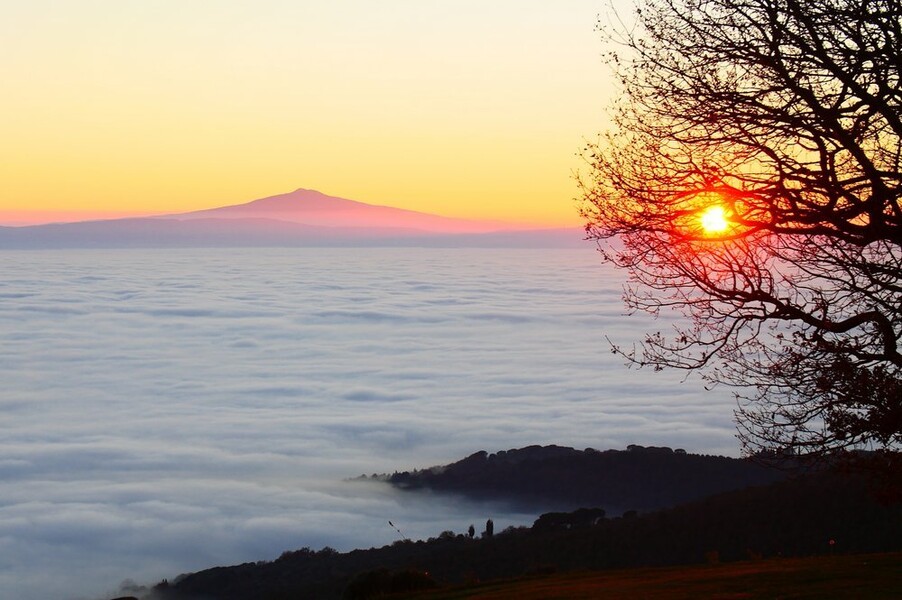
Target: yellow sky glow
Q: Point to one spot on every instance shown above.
(457, 107)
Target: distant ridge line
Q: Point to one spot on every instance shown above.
(296, 219)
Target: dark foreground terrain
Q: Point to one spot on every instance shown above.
(819, 514)
(857, 576)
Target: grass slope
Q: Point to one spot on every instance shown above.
(874, 576)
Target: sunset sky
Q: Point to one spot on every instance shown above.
(459, 107)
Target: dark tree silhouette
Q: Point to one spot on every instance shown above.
(489, 529)
(471, 531)
(784, 116)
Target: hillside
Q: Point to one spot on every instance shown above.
(797, 517)
(562, 478)
(852, 577)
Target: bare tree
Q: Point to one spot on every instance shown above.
(751, 180)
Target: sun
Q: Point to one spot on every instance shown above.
(714, 220)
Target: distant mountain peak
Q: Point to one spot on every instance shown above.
(312, 207)
(303, 217)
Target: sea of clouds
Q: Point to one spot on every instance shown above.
(166, 411)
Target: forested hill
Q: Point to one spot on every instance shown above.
(816, 514)
(640, 478)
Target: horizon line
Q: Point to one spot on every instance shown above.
(38, 217)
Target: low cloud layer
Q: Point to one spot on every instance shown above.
(165, 411)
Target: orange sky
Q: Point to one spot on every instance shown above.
(458, 107)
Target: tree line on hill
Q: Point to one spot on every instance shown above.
(817, 513)
(543, 477)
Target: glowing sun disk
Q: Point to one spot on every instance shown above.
(714, 220)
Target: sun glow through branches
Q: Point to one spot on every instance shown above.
(714, 220)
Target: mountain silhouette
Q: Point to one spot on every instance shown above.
(311, 207)
(564, 478)
(299, 218)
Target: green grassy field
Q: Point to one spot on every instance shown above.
(865, 577)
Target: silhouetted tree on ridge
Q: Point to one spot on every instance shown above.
(785, 119)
